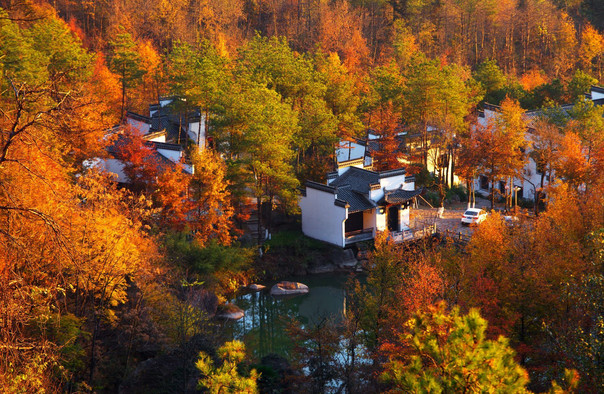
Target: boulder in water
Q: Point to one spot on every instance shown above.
(230, 312)
(289, 288)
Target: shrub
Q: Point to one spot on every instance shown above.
(423, 177)
(294, 241)
(211, 258)
(432, 197)
(526, 203)
(458, 191)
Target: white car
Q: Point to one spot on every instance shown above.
(473, 216)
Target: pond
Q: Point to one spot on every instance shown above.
(263, 328)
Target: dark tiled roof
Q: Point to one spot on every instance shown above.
(599, 102)
(597, 89)
(118, 140)
(400, 196)
(373, 145)
(166, 146)
(121, 140)
(491, 107)
(354, 185)
(135, 116)
(320, 186)
(163, 161)
(162, 122)
(357, 201)
(389, 173)
(357, 178)
(341, 203)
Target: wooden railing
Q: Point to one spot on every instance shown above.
(457, 236)
(358, 235)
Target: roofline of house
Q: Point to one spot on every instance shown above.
(598, 89)
(352, 161)
(389, 173)
(154, 134)
(166, 146)
(321, 187)
(135, 116)
(491, 107)
(341, 203)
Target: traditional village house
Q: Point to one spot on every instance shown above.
(355, 204)
(525, 186)
(167, 130)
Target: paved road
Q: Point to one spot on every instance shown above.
(450, 220)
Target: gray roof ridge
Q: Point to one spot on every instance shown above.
(389, 173)
(137, 116)
(166, 145)
(320, 186)
(599, 89)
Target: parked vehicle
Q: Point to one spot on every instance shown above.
(473, 216)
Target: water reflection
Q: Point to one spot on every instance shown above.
(263, 329)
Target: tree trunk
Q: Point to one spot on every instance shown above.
(93, 348)
(123, 97)
(493, 193)
(259, 214)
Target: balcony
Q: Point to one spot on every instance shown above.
(358, 236)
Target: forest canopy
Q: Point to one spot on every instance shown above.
(104, 286)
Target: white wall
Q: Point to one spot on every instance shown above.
(321, 219)
(114, 166)
(141, 126)
(596, 96)
(380, 221)
(369, 220)
(189, 169)
(165, 101)
(389, 183)
(172, 155)
(403, 219)
(194, 129)
(159, 138)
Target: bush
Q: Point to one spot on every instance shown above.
(210, 258)
(526, 203)
(432, 197)
(423, 177)
(458, 191)
(294, 241)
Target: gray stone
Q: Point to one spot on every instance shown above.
(289, 288)
(343, 258)
(231, 312)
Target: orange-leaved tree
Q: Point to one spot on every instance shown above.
(211, 208)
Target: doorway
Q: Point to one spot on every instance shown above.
(393, 218)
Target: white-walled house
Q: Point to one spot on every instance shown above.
(531, 175)
(164, 154)
(354, 153)
(166, 130)
(355, 204)
(179, 125)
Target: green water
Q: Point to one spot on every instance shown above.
(266, 317)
